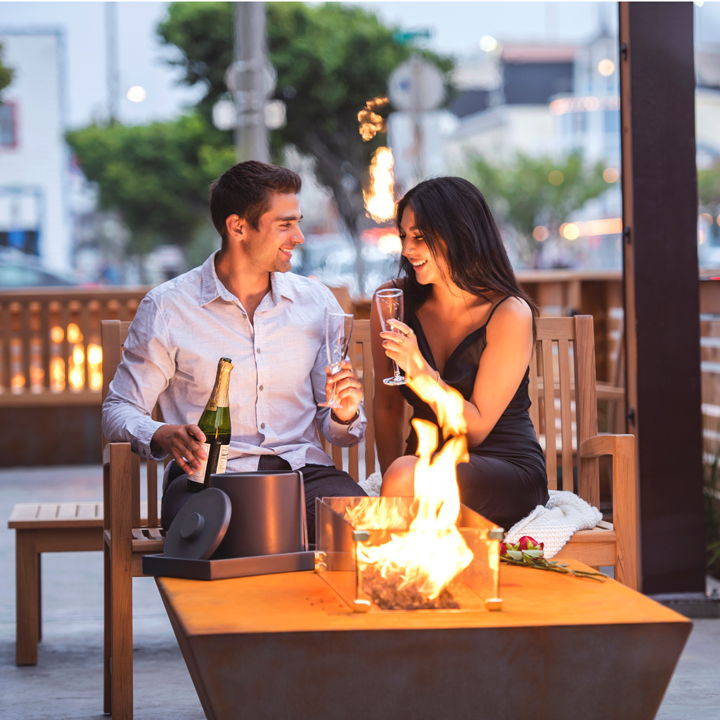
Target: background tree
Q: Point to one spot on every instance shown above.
(6, 73)
(156, 175)
(330, 59)
(709, 198)
(522, 195)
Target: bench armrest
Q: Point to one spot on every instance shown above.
(121, 489)
(621, 448)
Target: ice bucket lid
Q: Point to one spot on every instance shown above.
(200, 526)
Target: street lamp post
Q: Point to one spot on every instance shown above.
(251, 79)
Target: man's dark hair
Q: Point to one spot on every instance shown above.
(244, 190)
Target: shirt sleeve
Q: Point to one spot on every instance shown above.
(147, 366)
(337, 433)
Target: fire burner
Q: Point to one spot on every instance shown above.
(431, 569)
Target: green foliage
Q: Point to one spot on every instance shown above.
(157, 175)
(6, 73)
(521, 195)
(709, 187)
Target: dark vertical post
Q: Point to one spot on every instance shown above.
(662, 323)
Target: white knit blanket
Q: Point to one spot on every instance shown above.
(553, 524)
(371, 484)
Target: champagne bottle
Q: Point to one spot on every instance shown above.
(215, 424)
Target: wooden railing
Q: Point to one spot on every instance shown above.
(50, 338)
(50, 352)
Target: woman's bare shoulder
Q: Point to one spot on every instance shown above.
(512, 312)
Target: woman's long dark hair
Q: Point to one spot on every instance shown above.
(453, 218)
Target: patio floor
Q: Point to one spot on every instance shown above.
(67, 681)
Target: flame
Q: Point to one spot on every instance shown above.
(380, 199)
(390, 243)
(431, 551)
(370, 122)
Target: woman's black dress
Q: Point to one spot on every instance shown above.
(505, 478)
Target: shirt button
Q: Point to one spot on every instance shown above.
(262, 426)
(257, 351)
(260, 388)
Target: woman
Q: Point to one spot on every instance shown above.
(467, 325)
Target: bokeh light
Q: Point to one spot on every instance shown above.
(488, 43)
(555, 178)
(610, 175)
(541, 233)
(136, 94)
(606, 67)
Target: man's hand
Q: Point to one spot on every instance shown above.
(182, 443)
(348, 391)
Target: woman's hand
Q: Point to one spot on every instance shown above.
(401, 346)
(347, 388)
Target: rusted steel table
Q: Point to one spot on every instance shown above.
(285, 646)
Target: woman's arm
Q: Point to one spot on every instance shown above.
(502, 366)
(388, 403)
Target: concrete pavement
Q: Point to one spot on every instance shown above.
(67, 681)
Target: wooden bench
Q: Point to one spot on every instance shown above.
(39, 528)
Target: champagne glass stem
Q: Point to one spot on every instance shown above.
(396, 372)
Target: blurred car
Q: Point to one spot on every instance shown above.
(18, 270)
(331, 260)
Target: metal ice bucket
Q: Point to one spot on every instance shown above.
(268, 513)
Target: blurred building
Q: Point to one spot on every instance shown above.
(35, 214)
(504, 101)
(707, 104)
(587, 119)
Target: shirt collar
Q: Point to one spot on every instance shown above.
(280, 285)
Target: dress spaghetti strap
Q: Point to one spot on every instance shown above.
(497, 305)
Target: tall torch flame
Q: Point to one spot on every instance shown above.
(380, 199)
(431, 551)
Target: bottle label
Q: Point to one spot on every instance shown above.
(222, 460)
(198, 475)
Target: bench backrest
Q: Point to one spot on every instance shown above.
(360, 355)
(113, 335)
(563, 368)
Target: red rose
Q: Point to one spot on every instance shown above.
(528, 543)
(503, 549)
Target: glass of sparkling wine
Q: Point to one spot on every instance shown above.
(338, 330)
(390, 307)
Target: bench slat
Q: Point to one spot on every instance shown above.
(48, 511)
(49, 516)
(66, 511)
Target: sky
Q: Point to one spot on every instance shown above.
(456, 29)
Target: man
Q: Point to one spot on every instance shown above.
(243, 304)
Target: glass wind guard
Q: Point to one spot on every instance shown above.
(372, 569)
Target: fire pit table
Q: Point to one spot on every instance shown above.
(287, 646)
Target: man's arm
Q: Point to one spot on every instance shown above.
(146, 369)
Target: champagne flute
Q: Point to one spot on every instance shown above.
(390, 307)
(338, 330)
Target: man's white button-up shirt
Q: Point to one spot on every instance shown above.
(180, 331)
